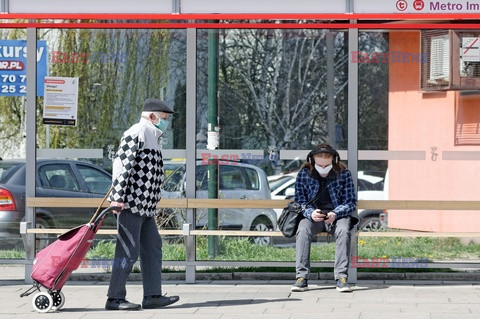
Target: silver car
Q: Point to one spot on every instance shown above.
(236, 181)
(54, 178)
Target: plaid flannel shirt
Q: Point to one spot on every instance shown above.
(341, 190)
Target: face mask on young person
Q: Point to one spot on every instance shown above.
(323, 170)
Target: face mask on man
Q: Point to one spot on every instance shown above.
(323, 170)
(161, 125)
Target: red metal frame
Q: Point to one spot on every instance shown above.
(246, 16)
(237, 21)
(169, 25)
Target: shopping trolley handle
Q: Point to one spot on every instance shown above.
(105, 212)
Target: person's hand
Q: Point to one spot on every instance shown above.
(118, 204)
(317, 216)
(331, 216)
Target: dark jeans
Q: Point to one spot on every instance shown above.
(137, 236)
(307, 229)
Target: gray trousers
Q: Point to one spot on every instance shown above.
(305, 232)
(137, 236)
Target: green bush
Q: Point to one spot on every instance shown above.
(419, 247)
(105, 249)
(12, 254)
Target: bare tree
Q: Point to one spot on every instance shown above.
(275, 80)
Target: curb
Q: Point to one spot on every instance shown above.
(249, 276)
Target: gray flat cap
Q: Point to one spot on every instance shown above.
(155, 105)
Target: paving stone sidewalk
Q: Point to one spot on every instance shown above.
(263, 299)
(223, 299)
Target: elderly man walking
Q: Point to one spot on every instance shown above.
(136, 181)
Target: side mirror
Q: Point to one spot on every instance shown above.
(290, 193)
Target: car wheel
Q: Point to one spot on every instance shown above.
(371, 223)
(261, 224)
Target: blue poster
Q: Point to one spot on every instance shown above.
(13, 63)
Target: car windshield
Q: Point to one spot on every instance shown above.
(279, 182)
(365, 185)
(170, 167)
(173, 182)
(7, 170)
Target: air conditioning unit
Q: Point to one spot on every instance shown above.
(452, 60)
(439, 59)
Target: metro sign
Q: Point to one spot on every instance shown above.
(418, 5)
(402, 5)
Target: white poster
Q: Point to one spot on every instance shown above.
(60, 101)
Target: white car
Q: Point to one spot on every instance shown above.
(370, 187)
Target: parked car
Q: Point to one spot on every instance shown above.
(370, 187)
(236, 181)
(280, 183)
(55, 178)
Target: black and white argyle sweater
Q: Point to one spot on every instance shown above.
(137, 173)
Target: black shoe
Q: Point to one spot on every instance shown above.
(300, 285)
(120, 304)
(151, 302)
(342, 285)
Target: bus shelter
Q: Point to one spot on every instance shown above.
(254, 86)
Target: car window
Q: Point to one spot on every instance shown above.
(96, 181)
(7, 170)
(253, 182)
(232, 177)
(58, 176)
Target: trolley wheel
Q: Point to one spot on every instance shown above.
(42, 302)
(58, 299)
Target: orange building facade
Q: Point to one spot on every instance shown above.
(446, 126)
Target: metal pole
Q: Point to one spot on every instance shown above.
(191, 87)
(47, 136)
(213, 135)
(4, 8)
(30, 151)
(352, 151)
(331, 110)
(176, 6)
(349, 6)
